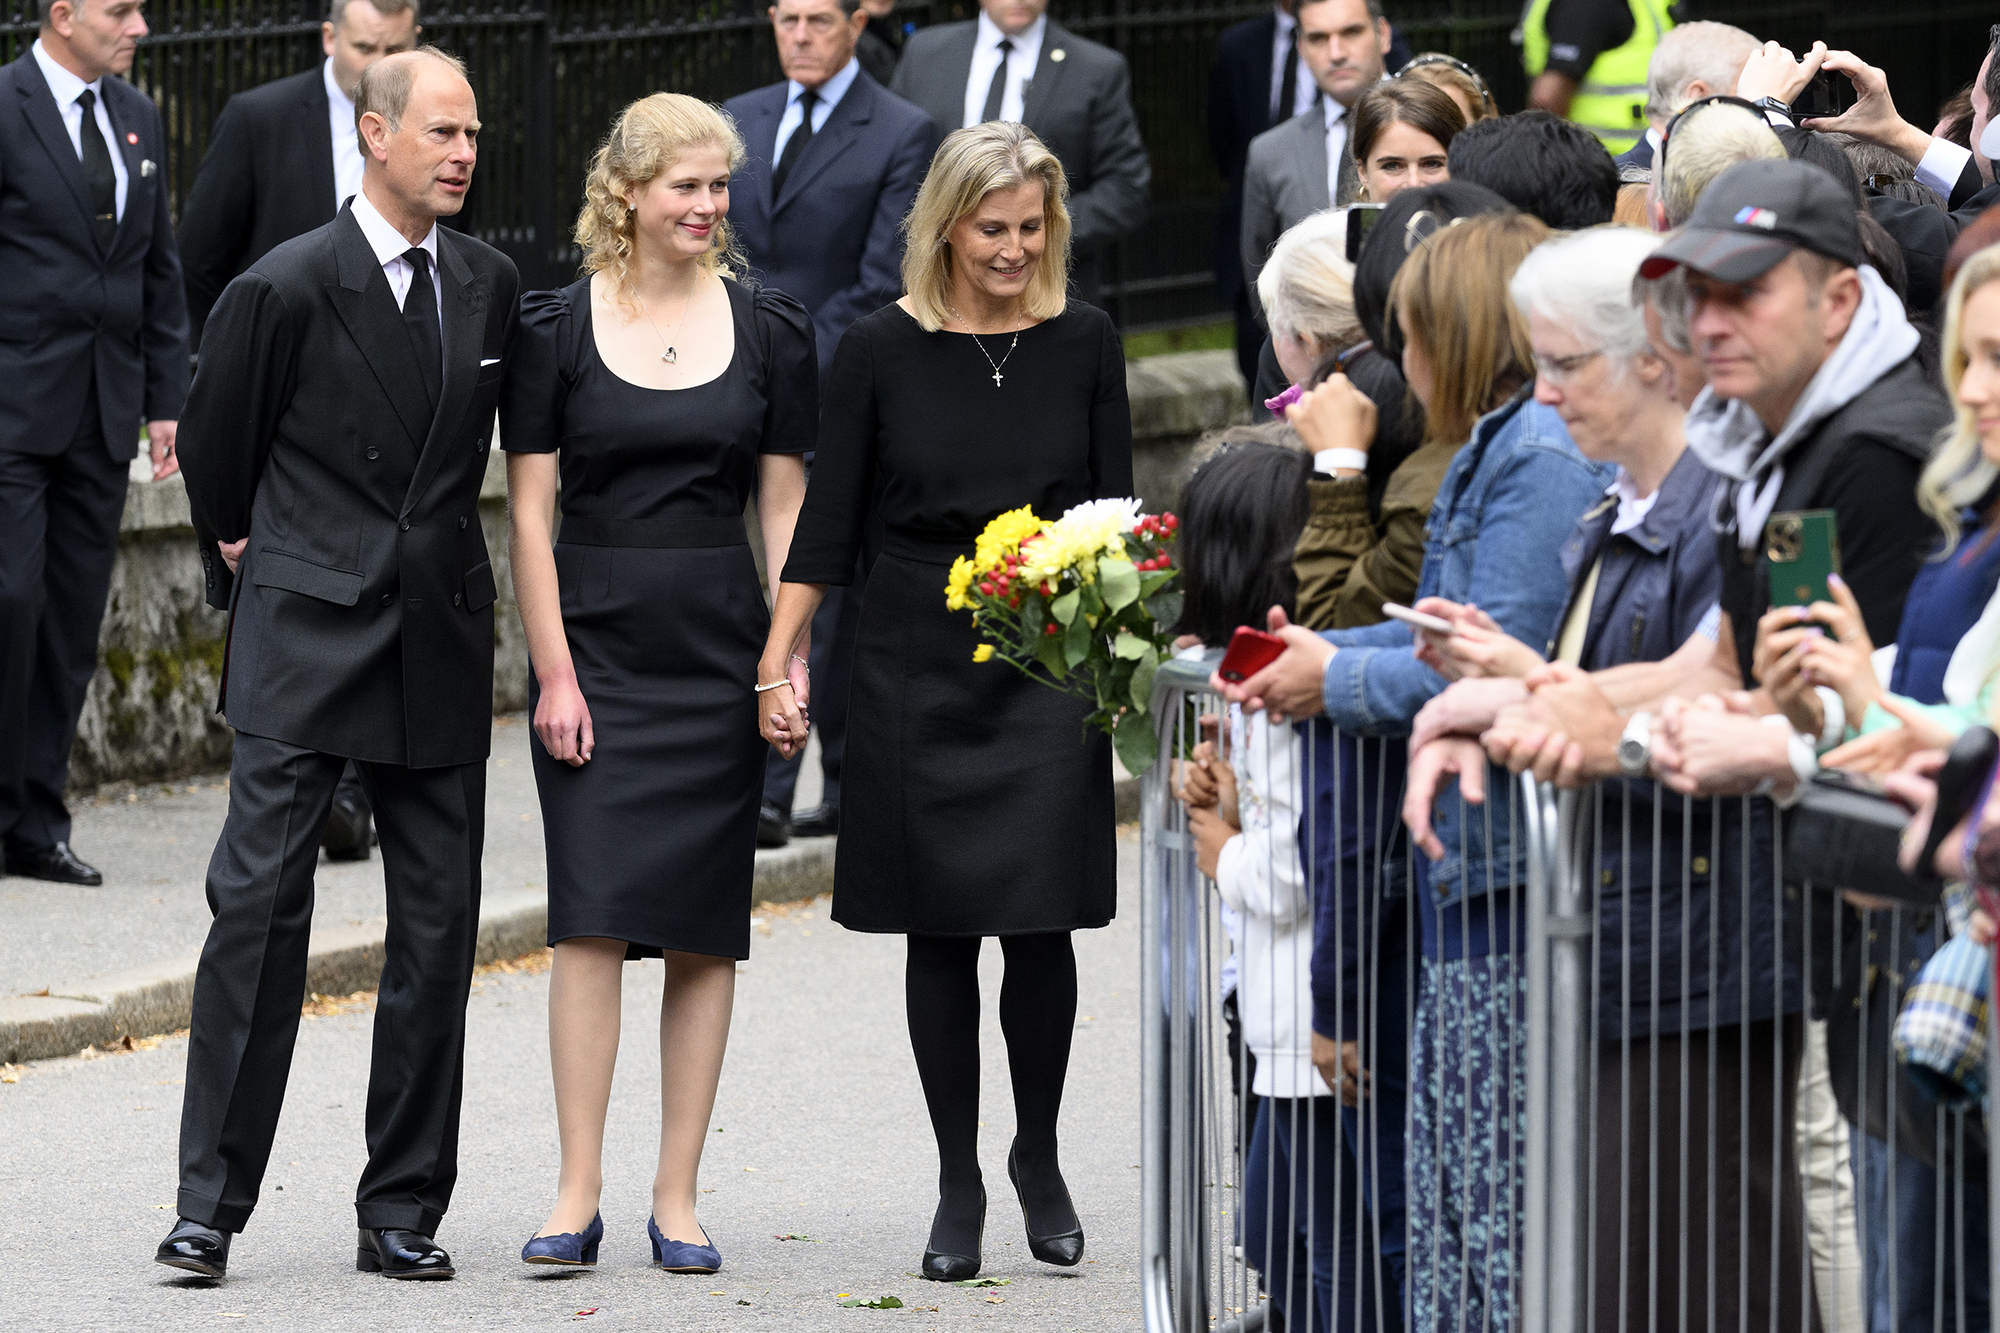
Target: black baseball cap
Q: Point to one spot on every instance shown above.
(1756, 213)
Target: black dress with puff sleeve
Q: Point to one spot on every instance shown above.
(654, 840)
(973, 802)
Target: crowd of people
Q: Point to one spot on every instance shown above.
(1576, 408)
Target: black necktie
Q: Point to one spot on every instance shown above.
(1288, 86)
(97, 173)
(997, 90)
(795, 145)
(420, 318)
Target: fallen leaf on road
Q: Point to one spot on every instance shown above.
(10, 1073)
(793, 1236)
(583, 1313)
(879, 1303)
(996, 1300)
(35, 994)
(983, 1282)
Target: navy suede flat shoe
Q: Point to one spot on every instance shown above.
(572, 1249)
(679, 1256)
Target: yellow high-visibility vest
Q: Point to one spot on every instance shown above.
(1611, 100)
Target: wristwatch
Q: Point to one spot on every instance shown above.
(1635, 747)
(1773, 104)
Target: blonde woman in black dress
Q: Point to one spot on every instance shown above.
(662, 391)
(975, 804)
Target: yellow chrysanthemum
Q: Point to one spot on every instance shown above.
(1003, 537)
(958, 585)
(983, 653)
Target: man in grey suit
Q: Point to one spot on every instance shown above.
(1303, 165)
(1015, 63)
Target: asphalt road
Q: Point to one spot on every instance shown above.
(819, 1132)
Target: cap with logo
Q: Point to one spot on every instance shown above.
(1756, 213)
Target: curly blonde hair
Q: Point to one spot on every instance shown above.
(648, 137)
(970, 164)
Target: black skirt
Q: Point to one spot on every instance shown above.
(654, 840)
(974, 802)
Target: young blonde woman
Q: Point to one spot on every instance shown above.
(975, 803)
(662, 392)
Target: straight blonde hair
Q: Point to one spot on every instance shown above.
(1451, 295)
(970, 164)
(648, 137)
(1958, 473)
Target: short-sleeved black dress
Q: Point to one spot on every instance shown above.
(654, 841)
(973, 801)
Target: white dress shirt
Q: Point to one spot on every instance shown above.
(1020, 68)
(346, 140)
(1336, 145)
(389, 245)
(66, 88)
(1942, 162)
(829, 94)
(1305, 89)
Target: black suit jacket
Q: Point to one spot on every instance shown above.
(361, 620)
(1079, 103)
(74, 315)
(268, 177)
(832, 240)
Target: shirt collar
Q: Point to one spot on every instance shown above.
(1028, 39)
(1334, 110)
(65, 86)
(385, 240)
(1286, 21)
(832, 90)
(335, 98)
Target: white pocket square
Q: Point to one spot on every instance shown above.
(489, 361)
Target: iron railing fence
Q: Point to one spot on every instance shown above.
(1655, 1090)
(550, 76)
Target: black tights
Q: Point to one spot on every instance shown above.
(1037, 1017)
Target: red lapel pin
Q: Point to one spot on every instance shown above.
(132, 138)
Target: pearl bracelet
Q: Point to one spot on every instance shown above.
(772, 686)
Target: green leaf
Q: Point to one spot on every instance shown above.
(1129, 646)
(983, 1282)
(1076, 642)
(1093, 604)
(1064, 607)
(1153, 580)
(879, 1303)
(1049, 652)
(1135, 743)
(1119, 581)
(1142, 681)
(1165, 608)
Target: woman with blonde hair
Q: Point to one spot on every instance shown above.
(1466, 85)
(975, 803)
(661, 391)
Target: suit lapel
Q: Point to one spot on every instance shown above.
(841, 129)
(464, 307)
(1348, 188)
(367, 307)
(952, 72)
(762, 141)
(1311, 140)
(1049, 67)
(38, 105)
(318, 166)
(134, 154)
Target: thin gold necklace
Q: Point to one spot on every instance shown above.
(982, 346)
(670, 356)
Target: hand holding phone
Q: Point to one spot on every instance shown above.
(1802, 547)
(1417, 619)
(1250, 651)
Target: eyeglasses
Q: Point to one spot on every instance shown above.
(1701, 104)
(1423, 225)
(1563, 369)
(1451, 62)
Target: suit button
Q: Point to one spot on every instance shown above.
(388, 599)
(461, 525)
(457, 598)
(404, 525)
(374, 454)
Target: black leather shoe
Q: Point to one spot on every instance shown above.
(401, 1254)
(349, 832)
(196, 1248)
(1061, 1248)
(773, 829)
(822, 821)
(56, 863)
(944, 1267)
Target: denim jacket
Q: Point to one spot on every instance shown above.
(1503, 511)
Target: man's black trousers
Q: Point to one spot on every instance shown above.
(252, 980)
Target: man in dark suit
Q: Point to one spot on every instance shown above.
(881, 44)
(833, 162)
(93, 341)
(336, 439)
(282, 159)
(1015, 63)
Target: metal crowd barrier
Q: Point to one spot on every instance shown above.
(1693, 1120)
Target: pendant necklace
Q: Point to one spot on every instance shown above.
(670, 356)
(982, 348)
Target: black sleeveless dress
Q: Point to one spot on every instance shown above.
(654, 840)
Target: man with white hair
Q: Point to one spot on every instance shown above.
(1693, 61)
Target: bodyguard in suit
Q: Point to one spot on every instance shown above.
(93, 341)
(832, 161)
(285, 155)
(1015, 63)
(282, 159)
(1303, 165)
(336, 438)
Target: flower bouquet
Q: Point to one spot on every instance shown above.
(1086, 604)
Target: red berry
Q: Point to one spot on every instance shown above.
(1050, 630)
(1014, 602)
(986, 586)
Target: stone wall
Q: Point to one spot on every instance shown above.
(150, 714)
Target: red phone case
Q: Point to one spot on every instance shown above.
(1250, 651)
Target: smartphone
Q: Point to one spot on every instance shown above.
(1803, 548)
(1250, 651)
(1828, 94)
(1417, 619)
(1360, 217)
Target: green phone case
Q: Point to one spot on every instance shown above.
(1803, 548)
